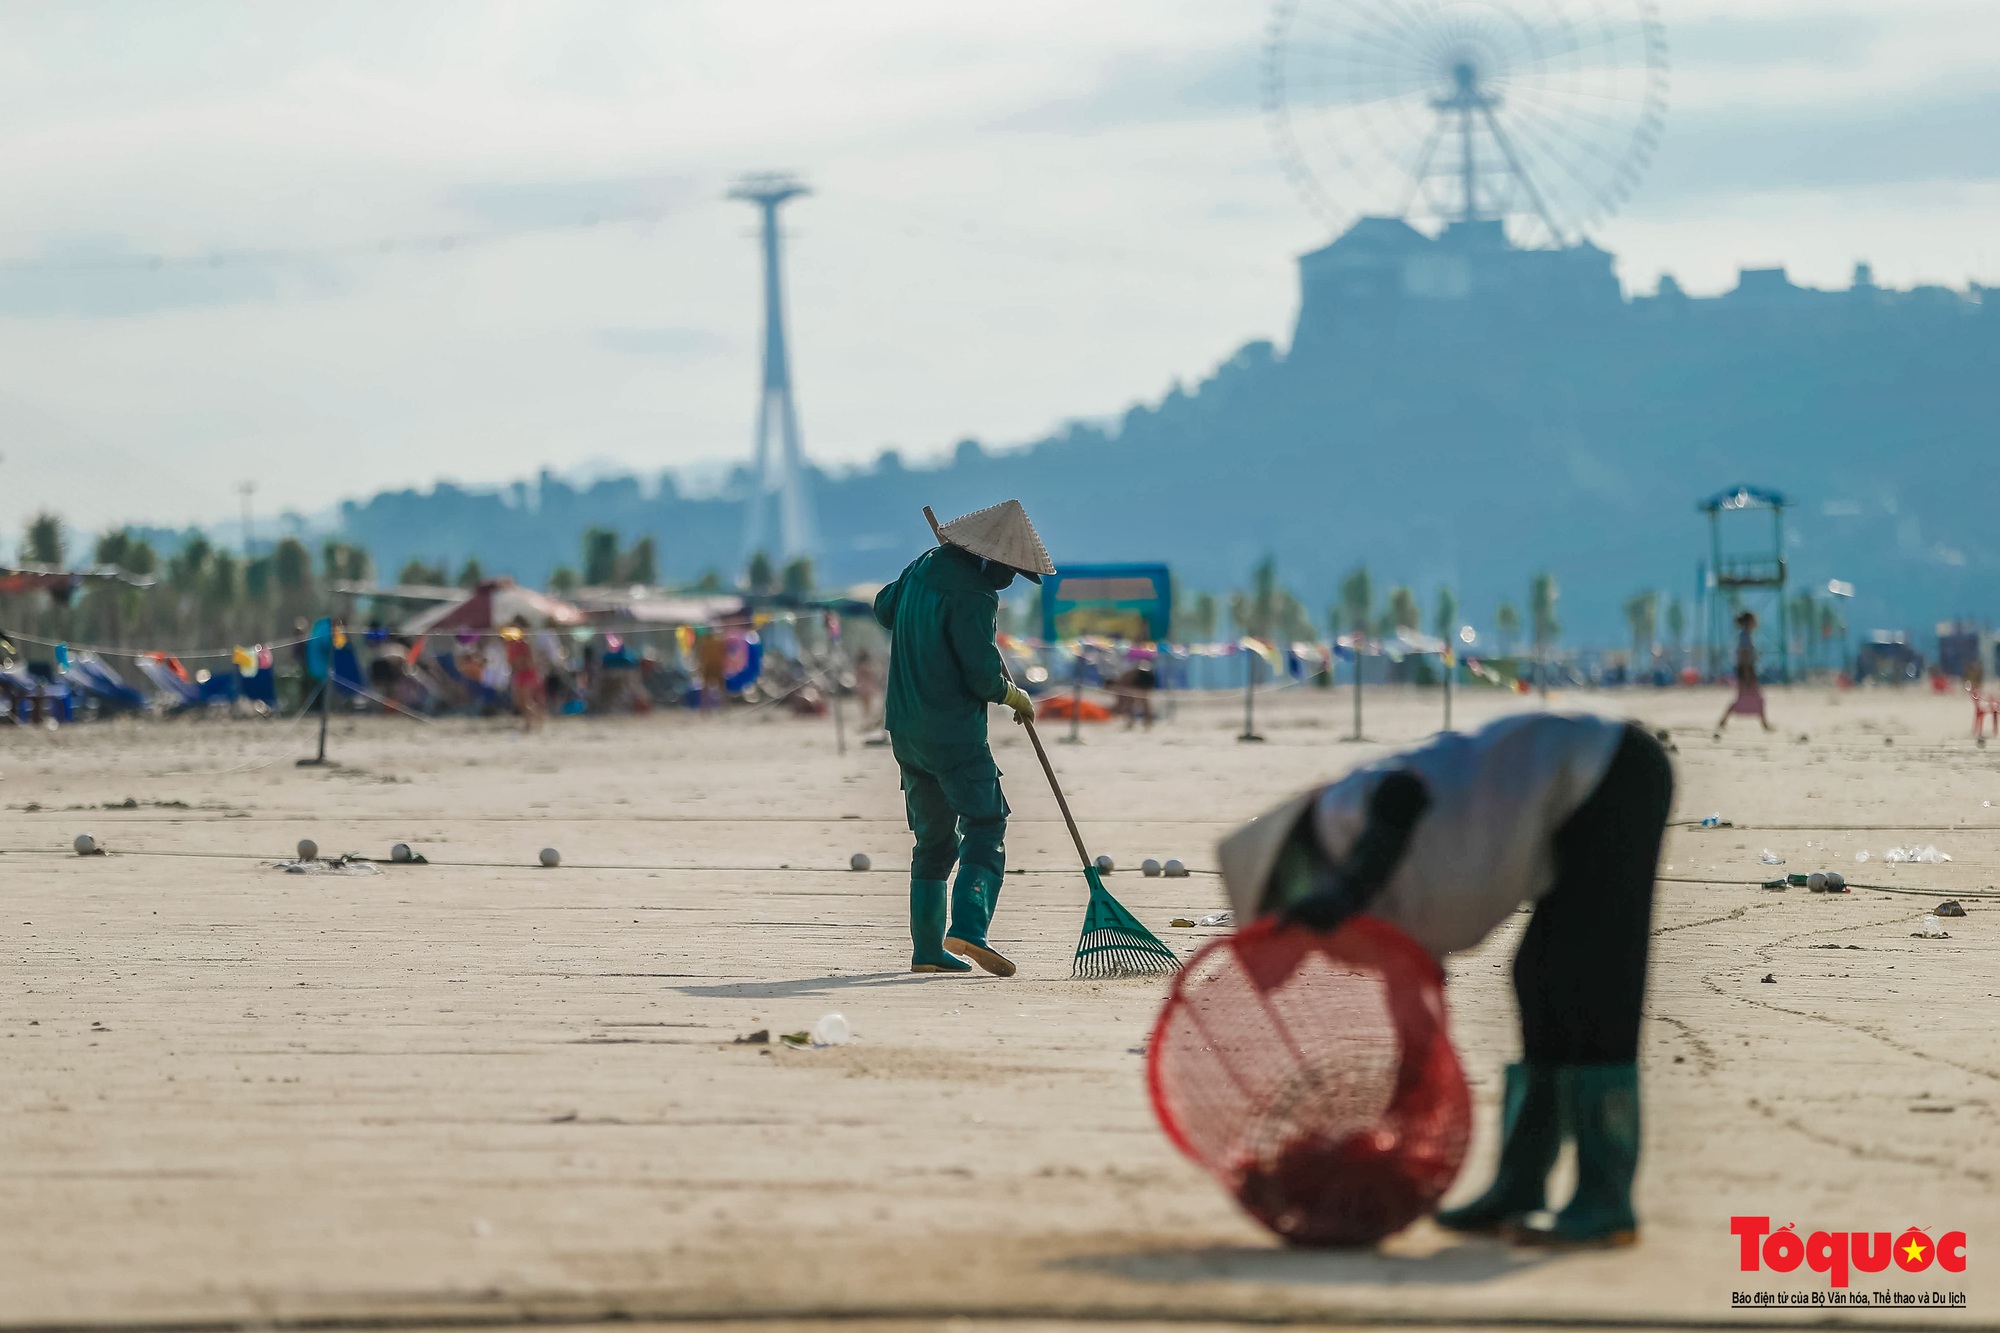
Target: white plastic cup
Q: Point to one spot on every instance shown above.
(832, 1030)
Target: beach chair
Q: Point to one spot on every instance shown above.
(37, 694)
(173, 692)
(87, 675)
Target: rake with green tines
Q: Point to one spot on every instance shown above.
(1113, 942)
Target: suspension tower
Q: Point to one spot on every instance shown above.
(779, 481)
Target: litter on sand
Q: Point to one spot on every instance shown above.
(1950, 907)
(1929, 856)
(1771, 858)
(1933, 929)
(761, 1037)
(1218, 919)
(1776, 885)
(348, 864)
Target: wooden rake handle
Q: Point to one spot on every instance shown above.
(1034, 737)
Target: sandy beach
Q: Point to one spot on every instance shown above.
(480, 1090)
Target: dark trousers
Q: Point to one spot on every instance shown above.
(1580, 974)
(957, 814)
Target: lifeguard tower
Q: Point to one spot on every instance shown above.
(1747, 574)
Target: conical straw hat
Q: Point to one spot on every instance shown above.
(1001, 533)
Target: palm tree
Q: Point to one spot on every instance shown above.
(1444, 622)
(1507, 625)
(1542, 595)
(45, 543)
(1357, 603)
(1257, 614)
(1642, 614)
(1403, 612)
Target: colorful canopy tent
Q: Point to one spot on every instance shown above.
(1133, 602)
(491, 605)
(61, 584)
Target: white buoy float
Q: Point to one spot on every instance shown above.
(85, 845)
(1175, 870)
(551, 857)
(401, 852)
(859, 861)
(308, 850)
(1105, 865)
(1150, 868)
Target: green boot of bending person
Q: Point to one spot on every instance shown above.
(927, 951)
(973, 899)
(1530, 1137)
(1600, 1107)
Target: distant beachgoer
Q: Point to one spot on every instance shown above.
(1749, 699)
(524, 675)
(1134, 691)
(868, 689)
(711, 655)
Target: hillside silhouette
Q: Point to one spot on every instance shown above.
(1450, 410)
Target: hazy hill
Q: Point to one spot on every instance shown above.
(1451, 411)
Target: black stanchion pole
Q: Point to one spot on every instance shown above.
(1250, 697)
(325, 706)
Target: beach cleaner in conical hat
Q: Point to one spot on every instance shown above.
(1565, 813)
(944, 672)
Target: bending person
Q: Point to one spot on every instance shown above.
(1445, 842)
(944, 670)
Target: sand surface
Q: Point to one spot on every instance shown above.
(483, 1090)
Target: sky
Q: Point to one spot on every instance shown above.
(332, 249)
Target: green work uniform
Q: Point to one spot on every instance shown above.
(944, 671)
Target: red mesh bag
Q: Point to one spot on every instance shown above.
(1313, 1075)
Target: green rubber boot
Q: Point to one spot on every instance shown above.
(973, 899)
(1530, 1138)
(927, 952)
(1600, 1106)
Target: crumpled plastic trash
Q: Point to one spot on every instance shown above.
(1771, 858)
(1933, 929)
(1929, 856)
(1218, 919)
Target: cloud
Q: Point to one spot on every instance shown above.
(1148, 89)
(1864, 143)
(100, 279)
(529, 205)
(685, 343)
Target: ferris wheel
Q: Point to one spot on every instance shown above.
(1538, 114)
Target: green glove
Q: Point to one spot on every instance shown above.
(1018, 700)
